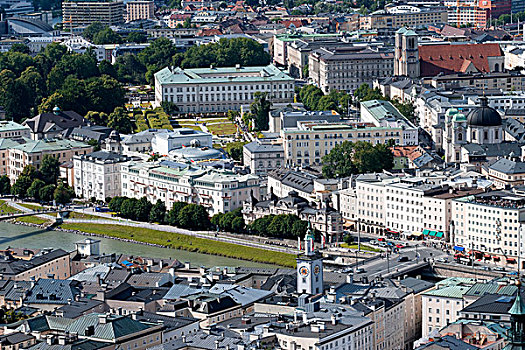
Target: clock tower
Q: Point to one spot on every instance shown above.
(309, 267)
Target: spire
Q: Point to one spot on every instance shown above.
(517, 318)
(309, 240)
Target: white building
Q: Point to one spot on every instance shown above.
(163, 143)
(384, 114)
(210, 90)
(489, 224)
(97, 174)
(9, 130)
(263, 155)
(219, 191)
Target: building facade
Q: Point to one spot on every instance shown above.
(97, 175)
(140, 9)
(212, 90)
(345, 69)
(77, 13)
(219, 191)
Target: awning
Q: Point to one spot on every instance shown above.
(417, 234)
(425, 232)
(348, 224)
(495, 257)
(439, 234)
(459, 249)
(432, 233)
(511, 260)
(487, 256)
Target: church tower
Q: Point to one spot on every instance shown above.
(309, 267)
(406, 55)
(455, 135)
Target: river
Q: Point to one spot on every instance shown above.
(19, 236)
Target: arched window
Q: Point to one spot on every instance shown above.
(460, 136)
(473, 135)
(496, 67)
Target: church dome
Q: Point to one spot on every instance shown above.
(484, 115)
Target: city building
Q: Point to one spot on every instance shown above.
(489, 223)
(345, 69)
(389, 20)
(406, 55)
(97, 175)
(10, 130)
(165, 142)
(309, 141)
(310, 267)
(322, 216)
(219, 191)
(482, 125)
(211, 90)
(32, 152)
(54, 262)
(263, 156)
(384, 114)
(78, 13)
(140, 9)
(50, 125)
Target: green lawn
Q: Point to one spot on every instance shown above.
(183, 242)
(32, 220)
(6, 208)
(226, 128)
(30, 206)
(363, 247)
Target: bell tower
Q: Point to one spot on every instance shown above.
(309, 267)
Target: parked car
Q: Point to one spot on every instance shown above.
(360, 270)
(403, 258)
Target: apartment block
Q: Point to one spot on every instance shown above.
(78, 13)
(140, 9)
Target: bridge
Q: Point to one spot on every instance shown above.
(59, 219)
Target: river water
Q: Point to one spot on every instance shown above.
(19, 236)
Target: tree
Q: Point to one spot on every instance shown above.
(98, 118)
(169, 107)
(119, 120)
(127, 208)
(106, 68)
(62, 194)
(49, 169)
(356, 158)
(34, 190)
(158, 212)
(21, 186)
(142, 209)
(92, 30)
(105, 94)
(22, 48)
(235, 150)
(130, 69)
(260, 109)
(136, 37)
(194, 217)
(238, 225)
(46, 193)
(95, 144)
(5, 185)
(173, 214)
(107, 36)
(225, 222)
(157, 56)
(116, 203)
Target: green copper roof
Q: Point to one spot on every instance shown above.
(518, 308)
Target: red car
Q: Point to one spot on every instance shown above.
(400, 246)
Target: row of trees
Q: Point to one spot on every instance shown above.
(350, 158)
(279, 226)
(184, 215)
(100, 34)
(314, 99)
(56, 77)
(41, 184)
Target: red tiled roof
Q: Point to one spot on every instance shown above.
(209, 32)
(449, 59)
(296, 22)
(402, 151)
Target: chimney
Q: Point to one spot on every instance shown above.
(334, 320)
(217, 344)
(62, 340)
(102, 318)
(187, 265)
(350, 278)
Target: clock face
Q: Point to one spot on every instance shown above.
(317, 269)
(303, 271)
